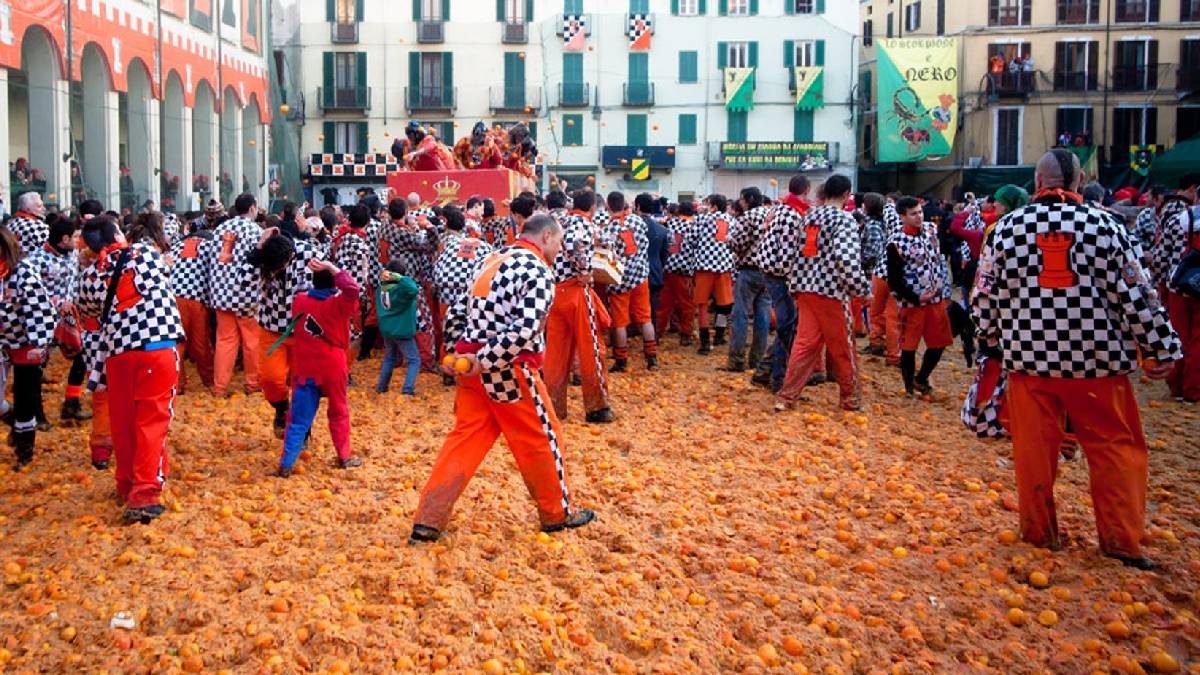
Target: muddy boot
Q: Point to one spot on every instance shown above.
(736, 362)
(281, 417)
(705, 342)
(619, 366)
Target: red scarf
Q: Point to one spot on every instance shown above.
(584, 214)
(800, 205)
(27, 215)
(1065, 195)
(102, 256)
(4, 270)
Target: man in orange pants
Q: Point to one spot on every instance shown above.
(1062, 296)
(577, 318)
(497, 328)
(233, 291)
(189, 283)
(677, 298)
(884, 313)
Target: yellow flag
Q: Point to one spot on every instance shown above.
(810, 87)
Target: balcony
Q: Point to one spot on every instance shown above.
(1188, 81)
(344, 99)
(514, 33)
(587, 24)
(1007, 83)
(515, 99)
(1135, 78)
(434, 99)
(574, 94)
(343, 32)
(638, 94)
(1074, 81)
(431, 31)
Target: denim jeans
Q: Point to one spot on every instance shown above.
(393, 350)
(750, 297)
(785, 331)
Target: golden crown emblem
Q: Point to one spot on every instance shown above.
(447, 189)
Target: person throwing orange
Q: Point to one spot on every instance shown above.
(495, 343)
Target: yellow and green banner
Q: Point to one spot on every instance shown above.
(918, 97)
(739, 89)
(810, 87)
(639, 169)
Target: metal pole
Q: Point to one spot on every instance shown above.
(1108, 75)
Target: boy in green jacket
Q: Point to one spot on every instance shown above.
(396, 306)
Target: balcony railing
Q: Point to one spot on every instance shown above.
(1134, 78)
(1009, 83)
(515, 99)
(574, 94)
(514, 33)
(344, 98)
(1074, 81)
(431, 99)
(341, 33)
(1188, 79)
(431, 31)
(638, 94)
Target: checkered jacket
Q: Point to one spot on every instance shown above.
(456, 265)
(143, 311)
(778, 247)
(352, 252)
(579, 242)
(1173, 241)
(501, 231)
(233, 282)
(872, 242)
(708, 243)
(507, 317)
(835, 268)
(924, 268)
(411, 245)
(627, 236)
(190, 268)
(679, 259)
(27, 316)
(374, 238)
(1093, 327)
(279, 289)
(57, 271)
(984, 421)
(891, 225)
(171, 228)
(747, 233)
(1145, 227)
(31, 232)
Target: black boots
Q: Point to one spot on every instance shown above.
(369, 333)
(652, 362)
(601, 416)
(705, 342)
(72, 410)
(619, 366)
(576, 519)
(281, 416)
(719, 336)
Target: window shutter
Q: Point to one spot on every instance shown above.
(820, 6)
(789, 53)
(448, 78)
(789, 7)
(635, 129)
(359, 11)
(500, 10)
(414, 78)
(687, 67)
(416, 10)
(1026, 12)
(993, 12)
(448, 133)
(445, 10)
(735, 129)
(361, 71)
(802, 126)
(754, 54)
(1152, 66)
(722, 55)
(528, 11)
(753, 7)
(327, 79)
(674, 7)
(1154, 10)
(328, 132)
(820, 53)
(687, 129)
(330, 10)
(702, 8)
(1093, 53)
(723, 7)
(363, 142)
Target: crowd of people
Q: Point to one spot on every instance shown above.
(1063, 294)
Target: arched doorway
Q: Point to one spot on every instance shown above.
(253, 149)
(204, 142)
(97, 138)
(231, 144)
(37, 135)
(141, 139)
(176, 136)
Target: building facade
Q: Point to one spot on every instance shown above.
(1102, 74)
(601, 84)
(129, 101)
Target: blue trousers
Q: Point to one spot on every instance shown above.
(306, 398)
(395, 349)
(785, 331)
(750, 298)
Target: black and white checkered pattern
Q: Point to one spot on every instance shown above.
(984, 421)
(27, 317)
(1173, 240)
(679, 259)
(835, 270)
(413, 246)
(152, 317)
(579, 243)
(628, 237)
(1093, 328)
(171, 228)
(456, 265)
(708, 243)
(639, 25)
(747, 233)
(232, 281)
(279, 289)
(1145, 227)
(32, 233)
(509, 320)
(57, 271)
(352, 252)
(361, 165)
(778, 247)
(374, 237)
(891, 225)
(872, 242)
(190, 271)
(924, 267)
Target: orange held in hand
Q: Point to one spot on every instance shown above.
(462, 365)
(448, 361)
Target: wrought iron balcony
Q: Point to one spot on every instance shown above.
(438, 98)
(574, 94)
(344, 99)
(506, 99)
(637, 94)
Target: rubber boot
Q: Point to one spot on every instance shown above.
(719, 336)
(281, 416)
(705, 342)
(23, 444)
(619, 366)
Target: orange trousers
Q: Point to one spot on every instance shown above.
(856, 311)
(822, 323)
(534, 438)
(141, 387)
(100, 441)
(235, 332)
(274, 370)
(571, 328)
(675, 299)
(197, 341)
(1104, 416)
(885, 319)
(1184, 379)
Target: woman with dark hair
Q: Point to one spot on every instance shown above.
(148, 227)
(26, 330)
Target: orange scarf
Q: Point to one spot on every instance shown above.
(4, 270)
(102, 256)
(800, 205)
(1065, 195)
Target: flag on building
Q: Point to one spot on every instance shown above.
(574, 32)
(810, 87)
(639, 169)
(1141, 157)
(920, 114)
(739, 89)
(640, 29)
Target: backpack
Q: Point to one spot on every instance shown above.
(1186, 279)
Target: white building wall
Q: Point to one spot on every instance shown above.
(387, 34)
